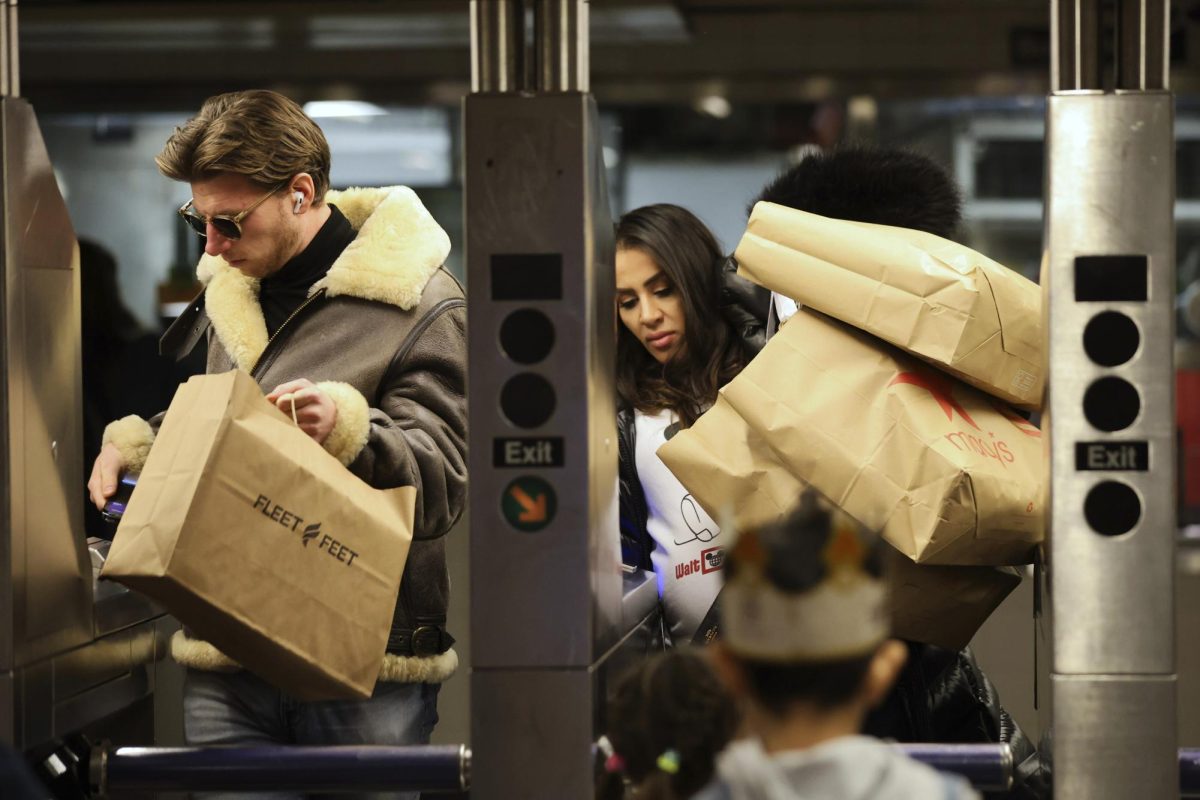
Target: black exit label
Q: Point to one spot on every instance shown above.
(544, 451)
(1112, 456)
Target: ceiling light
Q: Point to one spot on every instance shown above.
(342, 108)
(254, 33)
(714, 105)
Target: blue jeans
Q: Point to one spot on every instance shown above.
(239, 708)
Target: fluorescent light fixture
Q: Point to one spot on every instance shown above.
(654, 23)
(862, 109)
(398, 31)
(714, 105)
(149, 34)
(342, 109)
(609, 25)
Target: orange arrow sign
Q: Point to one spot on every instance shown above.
(534, 510)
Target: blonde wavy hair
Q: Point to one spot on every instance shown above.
(259, 134)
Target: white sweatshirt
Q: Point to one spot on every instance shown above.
(848, 768)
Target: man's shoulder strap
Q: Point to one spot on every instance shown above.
(186, 331)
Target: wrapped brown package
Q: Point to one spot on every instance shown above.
(944, 606)
(929, 296)
(254, 537)
(947, 474)
(939, 605)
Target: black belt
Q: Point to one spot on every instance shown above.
(427, 640)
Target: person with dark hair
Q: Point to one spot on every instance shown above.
(676, 346)
(941, 695)
(805, 644)
(667, 720)
(122, 371)
(885, 186)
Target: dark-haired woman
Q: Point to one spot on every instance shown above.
(689, 325)
(685, 331)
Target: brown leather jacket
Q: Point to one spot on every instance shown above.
(384, 334)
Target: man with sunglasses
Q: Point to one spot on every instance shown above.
(338, 302)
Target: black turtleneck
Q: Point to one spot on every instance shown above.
(283, 292)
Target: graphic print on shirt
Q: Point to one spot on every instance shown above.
(687, 555)
(694, 522)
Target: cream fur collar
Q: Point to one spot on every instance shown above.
(398, 249)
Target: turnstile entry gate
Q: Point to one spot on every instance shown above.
(1109, 287)
(546, 579)
(72, 652)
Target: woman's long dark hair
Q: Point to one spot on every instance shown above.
(712, 354)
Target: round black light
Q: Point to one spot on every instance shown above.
(527, 336)
(527, 400)
(1111, 338)
(1111, 404)
(1112, 508)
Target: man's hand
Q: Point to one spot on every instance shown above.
(316, 412)
(105, 474)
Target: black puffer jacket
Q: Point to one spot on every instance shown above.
(941, 695)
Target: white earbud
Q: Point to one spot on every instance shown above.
(299, 202)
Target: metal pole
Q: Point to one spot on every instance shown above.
(1142, 45)
(14, 73)
(561, 33)
(1108, 292)
(546, 597)
(497, 45)
(1074, 45)
(443, 768)
(5, 65)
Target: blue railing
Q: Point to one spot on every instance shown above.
(436, 768)
(432, 768)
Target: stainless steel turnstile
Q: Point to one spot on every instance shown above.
(1109, 286)
(546, 595)
(71, 652)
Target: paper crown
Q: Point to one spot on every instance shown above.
(807, 589)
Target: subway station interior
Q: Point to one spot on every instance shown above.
(1071, 127)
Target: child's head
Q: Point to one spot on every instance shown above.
(804, 615)
(667, 721)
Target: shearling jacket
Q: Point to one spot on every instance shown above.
(384, 335)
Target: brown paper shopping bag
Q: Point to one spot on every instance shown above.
(740, 476)
(944, 605)
(254, 537)
(946, 473)
(927, 295)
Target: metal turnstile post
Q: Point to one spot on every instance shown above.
(1109, 288)
(546, 579)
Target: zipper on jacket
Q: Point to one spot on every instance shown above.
(262, 359)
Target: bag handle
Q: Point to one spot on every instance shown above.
(292, 397)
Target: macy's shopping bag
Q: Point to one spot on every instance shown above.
(264, 544)
(929, 296)
(947, 474)
(939, 605)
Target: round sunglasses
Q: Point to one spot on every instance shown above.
(228, 226)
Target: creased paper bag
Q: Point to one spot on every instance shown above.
(947, 474)
(263, 544)
(926, 295)
(939, 605)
